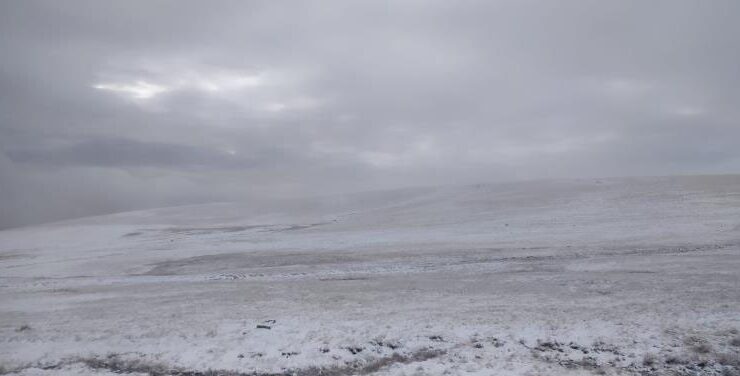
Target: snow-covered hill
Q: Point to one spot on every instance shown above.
(548, 277)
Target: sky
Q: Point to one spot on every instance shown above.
(108, 106)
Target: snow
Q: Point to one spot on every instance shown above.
(548, 277)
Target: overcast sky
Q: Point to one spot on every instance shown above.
(117, 105)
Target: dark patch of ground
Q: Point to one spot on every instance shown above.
(118, 364)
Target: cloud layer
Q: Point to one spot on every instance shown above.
(110, 106)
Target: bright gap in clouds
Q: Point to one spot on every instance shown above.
(216, 80)
(136, 90)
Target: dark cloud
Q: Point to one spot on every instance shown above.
(129, 153)
(136, 104)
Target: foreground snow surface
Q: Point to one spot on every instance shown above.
(615, 276)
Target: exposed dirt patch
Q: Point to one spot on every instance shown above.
(245, 261)
(119, 364)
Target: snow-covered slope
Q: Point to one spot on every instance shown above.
(574, 276)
